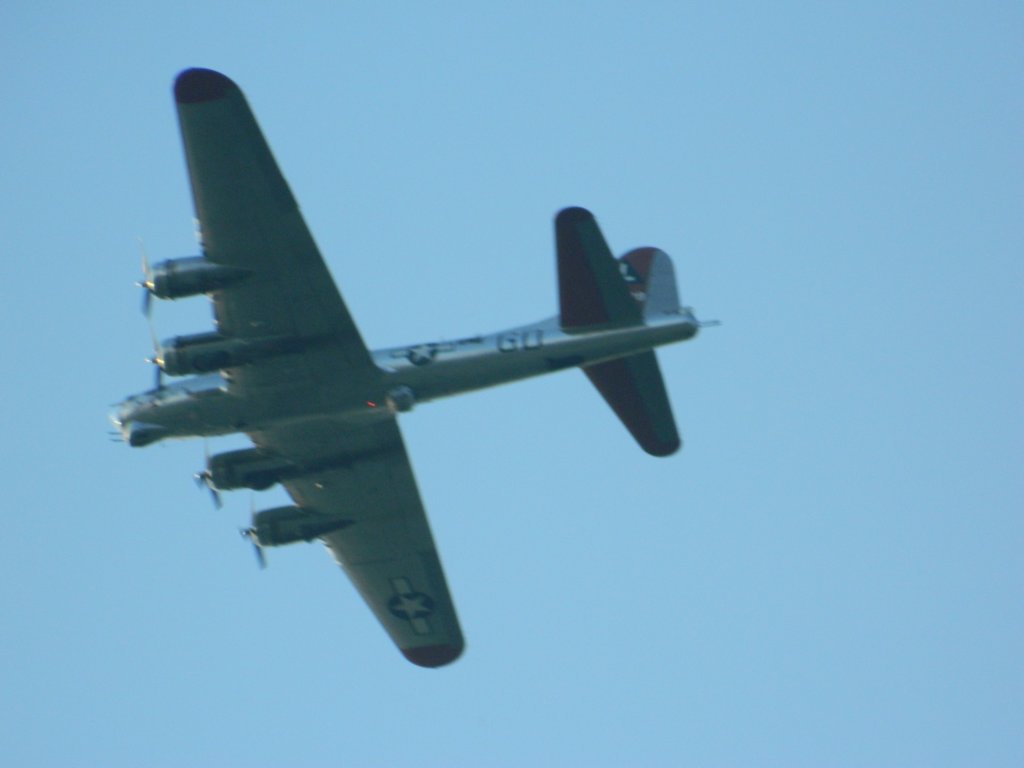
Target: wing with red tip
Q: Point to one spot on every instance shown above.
(249, 220)
(362, 474)
(356, 470)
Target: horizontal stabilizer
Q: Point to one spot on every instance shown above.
(635, 390)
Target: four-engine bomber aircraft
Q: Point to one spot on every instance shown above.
(287, 366)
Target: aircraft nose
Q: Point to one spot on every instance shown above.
(123, 415)
(119, 422)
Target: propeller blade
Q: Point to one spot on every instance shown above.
(152, 337)
(204, 478)
(146, 284)
(250, 534)
(155, 359)
(260, 557)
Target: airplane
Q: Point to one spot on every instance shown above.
(287, 366)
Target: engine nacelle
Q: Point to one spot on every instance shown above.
(248, 468)
(141, 434)
(284, 525)
(190, 276)
(206, 352)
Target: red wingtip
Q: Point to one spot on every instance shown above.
(573, 215)
(433, 655)
(197, 85)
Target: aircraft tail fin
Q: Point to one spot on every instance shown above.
(597, 290)
(651, 279)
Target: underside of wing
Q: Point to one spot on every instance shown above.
(249, 221)
(348, 474)
(362, 475)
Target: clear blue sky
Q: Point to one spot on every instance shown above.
(828, 574)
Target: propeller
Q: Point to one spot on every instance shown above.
(146, 283)
(158, 372)
(251, 534)
(205, 478)
(155, 358)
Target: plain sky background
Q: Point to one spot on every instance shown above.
(828, 574)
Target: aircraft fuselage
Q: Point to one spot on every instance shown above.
(411, 374)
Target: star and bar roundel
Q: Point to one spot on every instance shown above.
(410, 605)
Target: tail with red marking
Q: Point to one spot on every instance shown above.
(651, 280)
(595, 291)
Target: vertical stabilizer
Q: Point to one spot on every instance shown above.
(652, 281)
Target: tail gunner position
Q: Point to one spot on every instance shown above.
(287, 366)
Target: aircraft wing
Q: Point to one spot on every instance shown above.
(353, 467)
(387, 550)
(249, 220)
